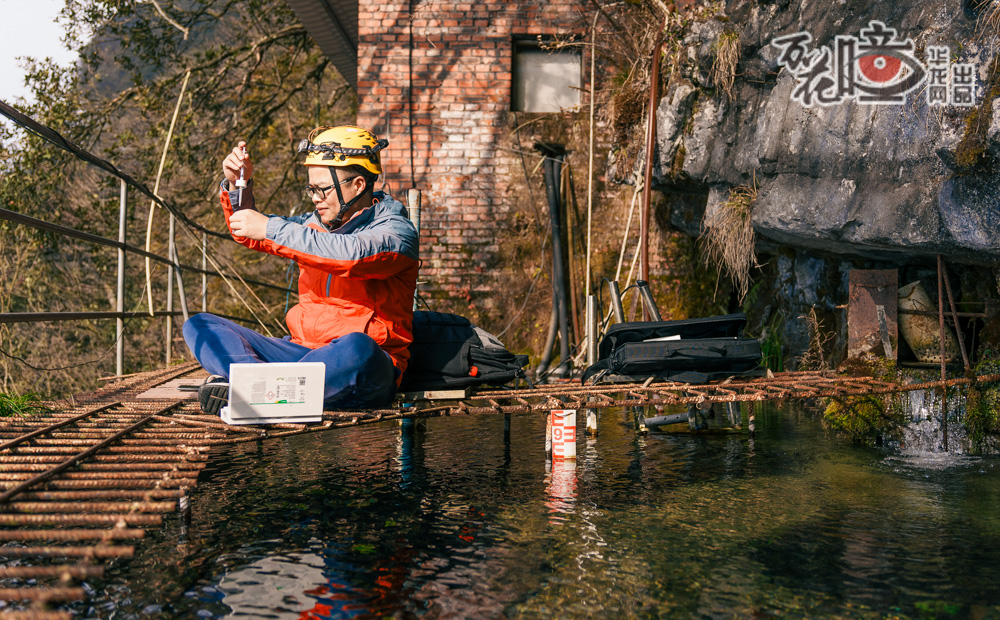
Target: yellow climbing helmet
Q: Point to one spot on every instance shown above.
(345, 145)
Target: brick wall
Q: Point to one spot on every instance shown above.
(434, 77)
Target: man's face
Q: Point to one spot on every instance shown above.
(329, 206)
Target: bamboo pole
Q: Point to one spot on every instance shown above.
(156, 188)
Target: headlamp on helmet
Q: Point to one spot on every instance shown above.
(343, 146)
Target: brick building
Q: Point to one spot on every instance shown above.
(438, 78)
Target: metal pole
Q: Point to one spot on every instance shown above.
(593, 328)
(180, 285)
(593, 321)
(204, 275)
(120, 291)
(944, 373)
(654, 92)
(616, 301)
(648, 303)
(413, 207)
(954, 314)
(590, 167)
(170, 289)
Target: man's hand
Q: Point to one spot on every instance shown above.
(233, 162)
(249, 223)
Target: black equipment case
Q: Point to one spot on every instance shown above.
(708, 348)
(449, 352)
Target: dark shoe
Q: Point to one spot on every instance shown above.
(213, 394)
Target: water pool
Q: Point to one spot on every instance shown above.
(453, 521)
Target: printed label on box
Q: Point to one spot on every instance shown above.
(278, 391)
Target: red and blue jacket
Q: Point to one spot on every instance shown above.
(357, 278)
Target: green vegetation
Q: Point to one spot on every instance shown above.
(771, 345)
(252, 72)
(971, 150)
(28, 403)
(982, 404)
(623, 97)
(870, 418)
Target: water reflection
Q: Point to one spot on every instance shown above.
(283, 586)
(462, 518)
(560, 488)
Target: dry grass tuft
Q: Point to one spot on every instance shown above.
(815, 358)
(728, 238)
(727, 56)
(990, 13)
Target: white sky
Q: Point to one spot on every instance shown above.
(28, 28)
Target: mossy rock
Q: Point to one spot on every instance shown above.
(871, 418)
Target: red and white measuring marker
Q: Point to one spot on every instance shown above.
(562, 434)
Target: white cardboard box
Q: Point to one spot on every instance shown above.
(290, 393)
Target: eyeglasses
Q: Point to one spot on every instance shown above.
(312, 190)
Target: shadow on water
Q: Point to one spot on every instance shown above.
(451, 520)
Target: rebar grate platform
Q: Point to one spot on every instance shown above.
(81, 483)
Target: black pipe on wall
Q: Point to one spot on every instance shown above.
(552, 171)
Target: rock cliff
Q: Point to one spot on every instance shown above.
(882, 182)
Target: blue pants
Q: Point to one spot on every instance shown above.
(359, 375)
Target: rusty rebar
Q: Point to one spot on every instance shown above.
(105, 471)
(101, 552)
(118, 485)
(154, 460)
(68, 443)
(79, 519)
(10, 493)
(150, 493)
(73, 571)
(53, 595)
(131, 459)
(115, 533)
(954, 314)
(218, 425)
(65, 448)
(38, 614)
(52, 427)
(89, 507)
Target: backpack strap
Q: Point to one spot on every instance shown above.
(598, 367)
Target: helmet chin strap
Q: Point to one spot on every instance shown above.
(344, 206)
